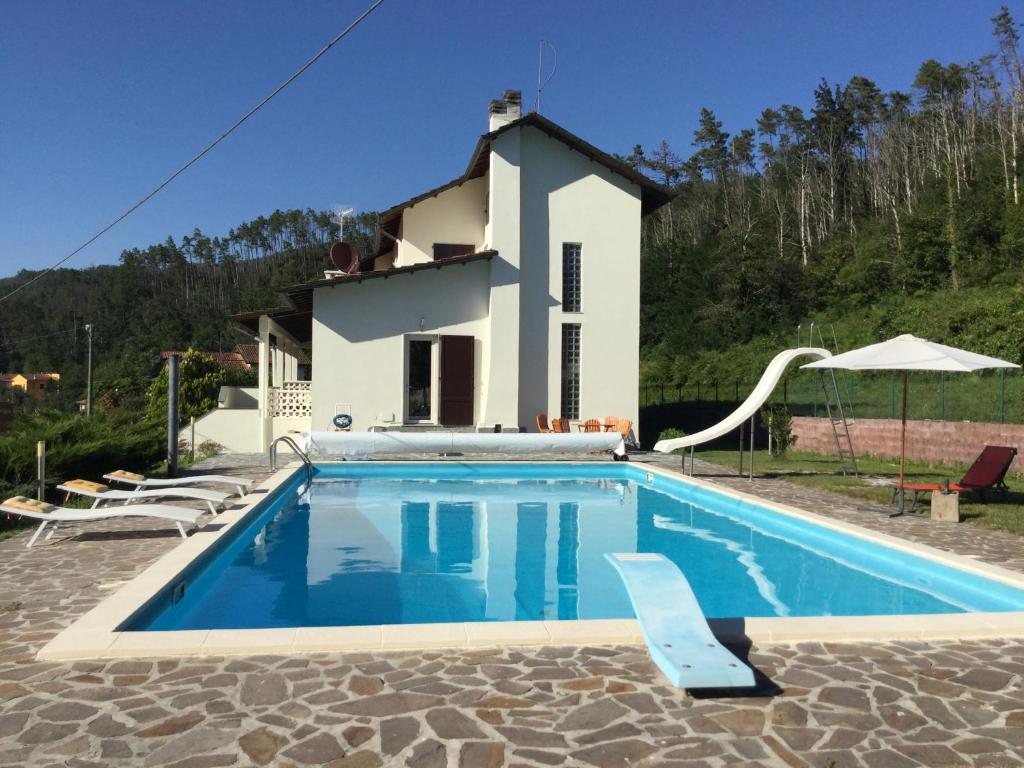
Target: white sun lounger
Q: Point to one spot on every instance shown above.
(49, 513)
(142, 482)
(100, 493)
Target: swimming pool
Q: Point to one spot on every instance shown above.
(410, 543)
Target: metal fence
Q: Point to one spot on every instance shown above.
(995, 396)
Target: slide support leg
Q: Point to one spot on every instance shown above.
(751, 447)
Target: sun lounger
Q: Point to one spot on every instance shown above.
(988, 472)
(50, 513)
(142, 482)
(101, 493)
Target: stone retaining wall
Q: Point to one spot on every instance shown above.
(934, 442)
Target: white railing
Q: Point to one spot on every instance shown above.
(292, 399)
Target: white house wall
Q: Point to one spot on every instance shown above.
(567, 198)
(238, 430)
(501, 401)
(359, 335)
(456, 215)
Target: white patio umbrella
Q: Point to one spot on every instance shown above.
(908, 353)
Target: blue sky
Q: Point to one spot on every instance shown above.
(101, 100)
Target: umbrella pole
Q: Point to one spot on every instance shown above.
(903, 445)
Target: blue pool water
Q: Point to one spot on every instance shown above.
(423, 543)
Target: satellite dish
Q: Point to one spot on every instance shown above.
(345, 256)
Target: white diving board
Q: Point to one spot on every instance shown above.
(678, 636)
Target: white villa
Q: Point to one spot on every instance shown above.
(511, 291)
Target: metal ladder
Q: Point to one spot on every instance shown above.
(834, 408)
(272, 450)
(837, 418)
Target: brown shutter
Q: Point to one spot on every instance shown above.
(456, 381)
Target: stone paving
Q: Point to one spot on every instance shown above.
(882, 705)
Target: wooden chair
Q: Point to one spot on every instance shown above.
(591, 425)
(559, 425)
(624, 427)
(542, 423)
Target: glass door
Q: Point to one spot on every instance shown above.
(419, 366)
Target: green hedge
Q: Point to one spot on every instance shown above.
(77, 446)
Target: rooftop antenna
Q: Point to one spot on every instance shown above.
(542, 83)
(342, 213)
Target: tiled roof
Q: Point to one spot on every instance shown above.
(249, 352)
(221, 358)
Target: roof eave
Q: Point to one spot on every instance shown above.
(652, 194)
(301, 296)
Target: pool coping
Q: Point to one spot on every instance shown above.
(94, 635)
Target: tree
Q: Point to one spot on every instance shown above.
(200, 380)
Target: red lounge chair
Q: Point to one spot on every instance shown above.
(986, 473)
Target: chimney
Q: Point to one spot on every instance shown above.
(505, 110)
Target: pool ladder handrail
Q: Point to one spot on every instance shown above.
(272, 450)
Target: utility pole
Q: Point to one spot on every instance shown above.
(88, 374)
(172, 415)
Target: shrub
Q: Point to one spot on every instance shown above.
(204, 450)
(76, 446)
(779, 422)
(671, 433)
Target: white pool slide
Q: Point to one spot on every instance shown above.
(769, 380)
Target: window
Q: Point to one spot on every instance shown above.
(570, 371)
(448, 250)
(571, 294)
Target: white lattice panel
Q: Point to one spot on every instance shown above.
(293, 398)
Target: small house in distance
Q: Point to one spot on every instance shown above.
(510, 291)
(34, 384)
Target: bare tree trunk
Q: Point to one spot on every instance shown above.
(804, 234)
(1013, 145)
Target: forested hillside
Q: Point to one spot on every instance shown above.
(167, 296)
(887, 212)
(884, 212)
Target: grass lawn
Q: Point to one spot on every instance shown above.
(14, 530)
(816, 471)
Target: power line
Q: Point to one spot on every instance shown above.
(334, 40)
(7, 343)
